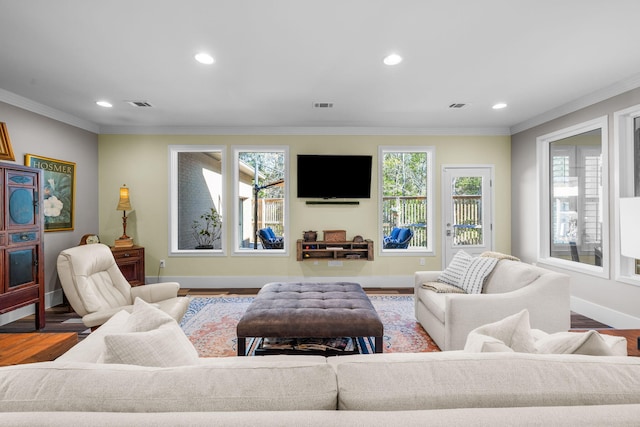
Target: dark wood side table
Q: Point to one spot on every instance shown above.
(131, 263)
(631, 335)
(16, 349)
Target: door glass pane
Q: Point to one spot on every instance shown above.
(576, 198)
(467, 211)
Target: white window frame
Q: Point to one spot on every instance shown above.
(236, 195)
(544, 213)
(423, 251)
(174, 150)
(623, 135)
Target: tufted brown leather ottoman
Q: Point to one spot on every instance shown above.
(310, 310)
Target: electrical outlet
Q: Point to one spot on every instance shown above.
(423, 261)
(162, 264)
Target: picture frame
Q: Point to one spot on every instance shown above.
(58, 189)
(6, 152)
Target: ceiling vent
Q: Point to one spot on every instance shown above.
(323, 105)
(457, 105)
(143, 104)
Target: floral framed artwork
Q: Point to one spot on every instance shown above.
(58, 189)
(6, 152)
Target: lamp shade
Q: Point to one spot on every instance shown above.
(630, 227)
(124, 204)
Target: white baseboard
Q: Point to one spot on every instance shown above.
(204, 282)
(51, 299)
(606, 315)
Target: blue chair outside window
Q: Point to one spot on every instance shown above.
(399, 238)
(269, 239)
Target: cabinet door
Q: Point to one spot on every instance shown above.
(22, 267)
(21, 199)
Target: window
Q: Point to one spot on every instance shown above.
(406, 213)
(196, 200)
(260, 200)
(627, 166)
(572, 164)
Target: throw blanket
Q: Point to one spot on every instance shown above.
(489, 254)
(442, 288)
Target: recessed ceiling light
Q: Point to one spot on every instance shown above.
(499, 106)
(393, 59)
(204, 58)
(105, 104)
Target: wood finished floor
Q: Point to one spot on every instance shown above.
(62, 319)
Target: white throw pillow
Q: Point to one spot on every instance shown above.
(479, 343)
(476, 274)
(164, 347)
(146, 317)
(456, 269)
(589, 343)
(513, 331)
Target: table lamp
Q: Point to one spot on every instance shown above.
(124, 205)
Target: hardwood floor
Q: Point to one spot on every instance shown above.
(62, 319)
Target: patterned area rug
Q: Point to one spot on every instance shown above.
(210, 324)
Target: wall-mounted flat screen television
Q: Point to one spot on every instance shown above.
(334, 176)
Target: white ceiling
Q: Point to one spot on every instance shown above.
(275, 58)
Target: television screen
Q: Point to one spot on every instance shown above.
(334, 176)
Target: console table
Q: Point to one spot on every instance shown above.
(16, 349)
(334, 250)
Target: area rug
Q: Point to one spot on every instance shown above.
(210, 323)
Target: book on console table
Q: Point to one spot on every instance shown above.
(335, 248)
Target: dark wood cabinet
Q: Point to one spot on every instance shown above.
(21, 240)
(131, 263)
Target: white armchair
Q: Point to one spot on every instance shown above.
(511, 287)
(96, 289)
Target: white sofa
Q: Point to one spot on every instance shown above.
(410, 389)
(511, 287)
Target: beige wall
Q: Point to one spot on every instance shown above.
(141, 162)
(604, 299)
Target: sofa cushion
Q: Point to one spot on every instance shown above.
(163, 347)
(478, 270)
(456, 269)
(435, 302)
(490, 380)
(513, 331)
(248, 386)
(509, 276)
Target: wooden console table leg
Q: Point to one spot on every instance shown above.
(242, 346)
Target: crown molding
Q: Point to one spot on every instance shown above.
(599, 95)
(276, 130)
(35, 107)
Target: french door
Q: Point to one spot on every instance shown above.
(467, 199)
